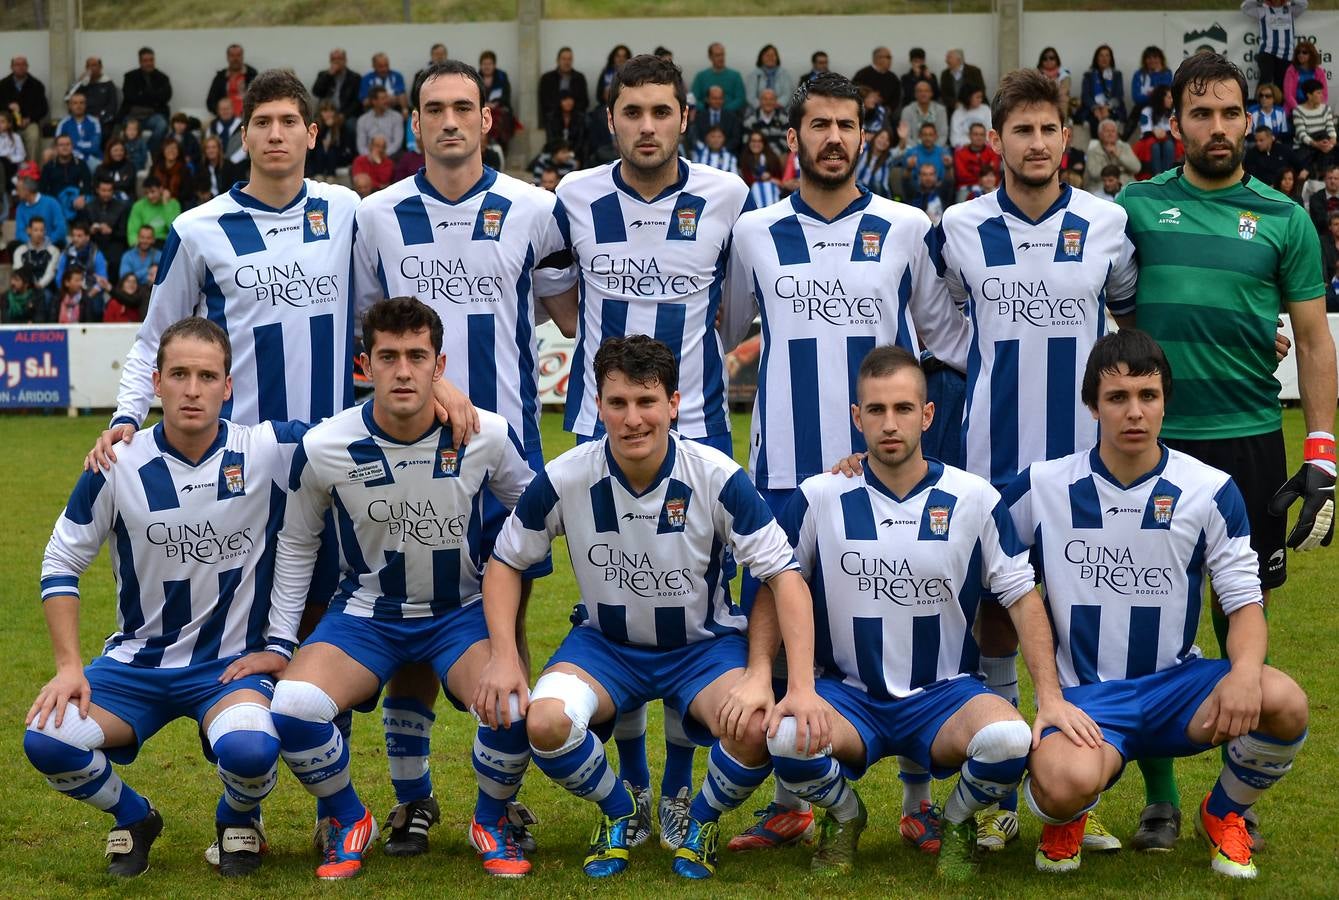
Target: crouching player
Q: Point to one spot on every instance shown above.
(408, 507)
(898, 559)
(648, 517)
(190, 512)
(1126, 533)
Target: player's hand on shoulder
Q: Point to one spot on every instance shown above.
(455, 409)
(103, 454)
(850, 466)
(1282, 345)
(263, 662)
(1072, 722)
(750, 694)
(1233, 708)
(68, 686)
(499, 680)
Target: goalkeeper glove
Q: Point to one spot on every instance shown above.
(1314, 483)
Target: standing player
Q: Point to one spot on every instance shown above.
(648, 517)
(650, 234)
(1034, 264)
(834, 270)
(478, 247)
(408, 506)
(1206, 223)
(189, 514)
(898, 561)
(1126, 533)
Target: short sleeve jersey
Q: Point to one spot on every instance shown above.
(1215, 270)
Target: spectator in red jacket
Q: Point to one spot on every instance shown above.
(372, 171)
(969, 160)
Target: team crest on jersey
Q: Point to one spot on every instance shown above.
(1246, 225)
(232, 477)
(316, 222)
(1162, 509)
(447, 461)
(676, 512)
(686, 217)
(492, 219)
(869, 243)
(938, 519)
(1072, 241)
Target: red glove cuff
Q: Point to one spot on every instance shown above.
(1319, 448)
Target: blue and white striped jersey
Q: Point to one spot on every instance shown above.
(481, 263)
(764, 193)
(828, 293)
(192, 545)
(1276, 119)
(654, 268)
(717, 159)
(1276, 25)
(1124, 567)
(896, 581)
(277, 280)
(1036, 294)
(409, 517)
(649, 565)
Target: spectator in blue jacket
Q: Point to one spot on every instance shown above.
(32, 202)
(83, 130)
(382, 75)
(1152, 73)
(1102, 86)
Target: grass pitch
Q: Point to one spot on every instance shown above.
(52, 846)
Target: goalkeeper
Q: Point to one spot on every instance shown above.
(1219, 255)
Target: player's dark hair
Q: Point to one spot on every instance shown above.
(278, 84)
(1198, 71)
(1132, 348)
(440, 70)
(647, 69)
(827, 84)
(886, 360)
(643, 360)
(199, 329)
(1020, 88)
(401, 315)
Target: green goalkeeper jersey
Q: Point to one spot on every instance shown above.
(1215, 270)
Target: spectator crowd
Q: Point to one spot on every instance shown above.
(94, 188)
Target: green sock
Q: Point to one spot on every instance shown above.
(1159, 781)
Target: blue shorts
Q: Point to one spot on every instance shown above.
(776, 501)
(633, 675)
(722, 442)
(947, 389)
(495, 516)
(147, 699)
(1148, 716)
(902, 726)
(382, 646)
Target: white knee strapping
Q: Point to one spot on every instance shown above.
(513, 710)
(1001, 741)
(303, 700)
(783, 742)
(1026, 790)
(86, 734)
(241, 717)
(579, 704)
(633, 724)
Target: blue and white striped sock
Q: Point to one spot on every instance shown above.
(1254, 763)
(314, 749)
(582, 768)
(728, 784)
(70, 759)
(408, 728)
(500, 759)
(996, 758)
(818, 780)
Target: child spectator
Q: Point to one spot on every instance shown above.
(23, 301)
(72, 305)
(84, 255)
(558, 156)
(137, 148)
(11, 151)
